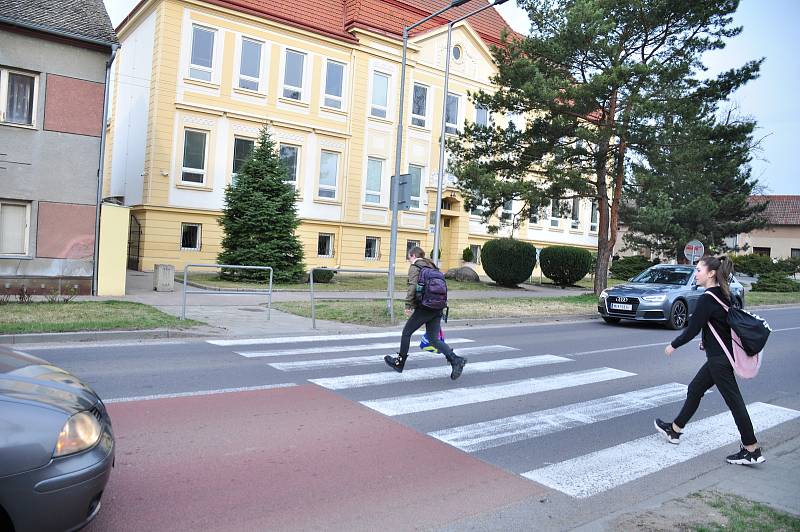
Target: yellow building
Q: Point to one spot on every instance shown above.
(196, 80)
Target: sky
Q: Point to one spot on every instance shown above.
(770, 26)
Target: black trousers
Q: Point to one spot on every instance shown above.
(718, 371)
(432, 319)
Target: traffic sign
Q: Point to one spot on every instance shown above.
(694, 250)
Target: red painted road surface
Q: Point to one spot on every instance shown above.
(288, 459)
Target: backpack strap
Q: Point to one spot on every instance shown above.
(718, 300)
(721, 343)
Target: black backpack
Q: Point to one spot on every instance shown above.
(751, 331)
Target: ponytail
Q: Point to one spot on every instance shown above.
(723, 266)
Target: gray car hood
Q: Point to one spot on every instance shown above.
(632, 289)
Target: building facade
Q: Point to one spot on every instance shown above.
(781, 238)
(53, 64)
(196, 80)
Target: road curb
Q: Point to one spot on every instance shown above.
(101, 336)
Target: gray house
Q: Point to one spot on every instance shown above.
(55, 57)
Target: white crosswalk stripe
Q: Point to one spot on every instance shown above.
(408, 404)
(384, 377)
(603, 470)
(333, 349)
(365, 360)
(497, 432)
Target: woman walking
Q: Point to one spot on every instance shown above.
(712, 273)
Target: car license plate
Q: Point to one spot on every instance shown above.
(621, 306)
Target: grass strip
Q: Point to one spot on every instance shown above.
(744, 515)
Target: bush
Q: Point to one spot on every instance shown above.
(627, 267)
(565, 265)
(324, 275)
(775, 282)
(753, 264)
(467, 255)
(508, 262)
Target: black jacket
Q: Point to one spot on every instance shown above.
(708, 310)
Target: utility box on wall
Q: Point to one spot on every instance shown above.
(164, 278)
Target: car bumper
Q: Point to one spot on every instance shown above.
(644, 311)
(63, 495)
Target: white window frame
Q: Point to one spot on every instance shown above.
(409, 248)
(27, 205)
(372, 105)
(456, 126)
(4, 72)
(303, 80)
(416, 201)
(204, 170)
(325, 95)
(199, 236)
(476, 252)
(296, 179)
(594, 217)
(201, 68)
(233, 153)
(488, 115)
(555, 220)
(421, 118)
(507, 214)
(575, 214)
(261, 66)
(379, 192)
(331, 240)
(377, 248)
(320, 186)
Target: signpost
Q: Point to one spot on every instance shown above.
(694, 250)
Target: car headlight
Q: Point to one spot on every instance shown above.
(604, 293)
(80, 432)
(655, 299)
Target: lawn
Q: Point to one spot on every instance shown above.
(374, 312)
(19, 318)
(586, 282)
(753, 299)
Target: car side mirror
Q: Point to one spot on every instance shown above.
(631, 279)
(694, 285)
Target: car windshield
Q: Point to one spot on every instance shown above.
(676, 276)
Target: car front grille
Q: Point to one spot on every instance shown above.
(634, 302)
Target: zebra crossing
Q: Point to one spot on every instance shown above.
(424, 389)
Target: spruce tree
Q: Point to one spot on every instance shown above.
(260, 218)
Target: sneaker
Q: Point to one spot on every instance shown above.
(745, 457)
(396, 363)
(457, 364)
(666, 429)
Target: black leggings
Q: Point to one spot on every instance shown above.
(432, 319)
(717, 370)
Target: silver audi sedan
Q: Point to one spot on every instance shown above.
(56, 446)
(665, 293)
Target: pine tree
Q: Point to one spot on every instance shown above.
(260, 218)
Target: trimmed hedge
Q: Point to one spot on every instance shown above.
(324, 275)
(753, 264)
(565, 265)
(775, 282)
(627, 267)
(508, 262)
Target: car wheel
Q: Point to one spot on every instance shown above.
(678, 315)
(611, 320)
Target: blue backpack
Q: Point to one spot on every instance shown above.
(431, 288)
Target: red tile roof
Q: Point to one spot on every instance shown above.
(781, 210)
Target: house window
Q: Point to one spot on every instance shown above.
(451, 114)
(482, 116)
(288, 155)
(334, 81)
(293, 74)
(250, 65)
(372, 248)
(476, 253)
(535, 216)
(576, 213)
(374, 180)
(380, 94)
(419, 106)
(762, 251)
(411, 244)
(17, 97)
(553, 213)
(328, 173)
(202, 53)
(795, 253)
(416, 185)
(457, 52)
(242, 149)
(594, 218)
(194, 156)
(190, 236)
(508, 210)
(516, 120)
(14, 222)
(325, 245)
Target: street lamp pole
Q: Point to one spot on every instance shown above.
(440, 177)
(399, 151)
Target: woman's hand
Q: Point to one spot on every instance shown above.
(669, 350)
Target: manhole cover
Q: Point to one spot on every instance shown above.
(250, 309)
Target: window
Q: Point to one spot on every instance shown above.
(476, 253)
(451, 114)
(411, 244)
(194, 156)
(380, 94)
(594, 218)
(242, 149)
(372, 248)
(190, 236)
(795, 253)
(762, 251)
(325, 245)
(17, 97)
(508, 210)
(419, 106)
(14, 222)
(535, 216)
(293, 74)
(516, 120)
(416, 185)
(250, 65)
(328, 172)
(202, 53)
(456, 53)
(553, 213)
(482, 116)
(576, 213)
(288, 154)
(374, 180)
(334, 81)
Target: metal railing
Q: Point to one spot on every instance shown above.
(389, 302)
(213, 292)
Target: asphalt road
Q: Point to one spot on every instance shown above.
(549, 427)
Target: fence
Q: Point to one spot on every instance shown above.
(389, 303)
(244, 292)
